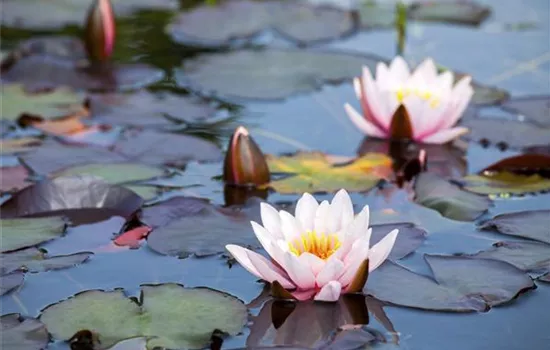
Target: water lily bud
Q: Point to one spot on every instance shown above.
(244, 162)
(100, 31)
(400, 126)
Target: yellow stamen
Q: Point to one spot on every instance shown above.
(403, 92)
(321, 245)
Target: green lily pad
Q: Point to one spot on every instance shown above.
(58, 103)
(506, 132)
(290, 72)
(178, 317)
(10, 282)
(20, 333)
(448, 199)
(114, 173)
(242, 20)
(145, 192)
(535, 109)
(21, 233)
(531, 224)
(35, 260)
(504, 184)
(318, 172)
(459, 284)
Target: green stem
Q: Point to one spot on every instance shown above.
(401, 26)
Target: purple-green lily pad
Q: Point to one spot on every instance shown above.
(533, 224)
(22, 233)
(459, 284)
(535, 109)
(35, 260)
(23, 333)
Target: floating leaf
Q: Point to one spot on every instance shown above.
(448, 199)
(535, 109)
(290, 72)
(19, 145)
(528, 256)
(185, 225)
(534, 224)
(22, 233)
(410, 237)
(468, 13)
(486, 95)
(75, 196)
(522, 164)
(505, 183)
(460, 284)
(35, 260)
(57, 103)
(137, 343)
(114, 173)
(178, 317)
(13, 178)
(132, 237)
(10, 282)
(144, 108)
(58, 13)
(239, 21)
(317, 172)
(20, 333)
(505, 132)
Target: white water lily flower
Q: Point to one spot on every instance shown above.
(318, 252)
(433, 105)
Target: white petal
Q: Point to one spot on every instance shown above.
(347, 215)
(290, 226)
(383, 77)
(267, 242)
(239, 253)
(399, 70)
(357, 88)
(360, 224)
(362, 124)
(315, 263)
(358, 253)
(444, 81)
(426, 70)
(271, 220)
(373, 99)
(334, 217)
(321, 217)
(330, 292)
(381, 250)
(331, 271)
(300, 274)
(305, 211)
(445, 136)
(461, 97)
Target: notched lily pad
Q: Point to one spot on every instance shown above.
(10, 282)
(240, 21)
(448, 199)
(186, 225)
(176, 317)
(459, 284)
(535, 109)
(318, 172)
(533, 224)
(19, 333)
(410, 237)
(22, 233)
(270, 74)
(35, 260)
(505, 132)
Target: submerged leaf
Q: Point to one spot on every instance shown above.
(20, 333)
(448, 199)
(460, 284)
(533, 224)
(175, 317)
(35, 260)
(22, 233)
(505, 183)
(317, 172)
(10, 282)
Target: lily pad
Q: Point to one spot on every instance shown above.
(35, 260)
(505, 184)
(455, 12)
(533, 224)
(290, 72)
(19, 145)
(522, 164)
(318, 172)
(58, 13)
(73, 196)
(20, 333)
(448, 199)
(486, 95)
(184, 225)
(57, 103)
(144, 108)
(13, 178)
(114, 173)
(535, 109)
(22, 233)
(10, 282)
(240, 21)
(177, 317)
(506, 132)
(459, 284)
(531, 257)
(410, 237)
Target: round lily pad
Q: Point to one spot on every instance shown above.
(19, 333)
(175, 317)
(269, 74)
(21, 233)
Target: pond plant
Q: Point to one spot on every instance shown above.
(209, 182)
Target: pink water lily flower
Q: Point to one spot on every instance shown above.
(432, 105)
(318, 252)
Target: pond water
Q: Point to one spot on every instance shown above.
(509, 50)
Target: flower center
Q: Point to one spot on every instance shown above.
(321, 245)
(402, 92)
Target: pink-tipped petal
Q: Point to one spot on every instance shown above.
(381, 250)
(371, 102)
(331, 271)
(239, 253)
(362, 124)
(271, 220)
(399, 70)
(330, 292)
(340, 213)
(303, 294)
(268, 271)
(109, 26)
(290, 226)
(425, 71)
(314, 262)
(267, 242)
(301, 274)
(359, 252)
(461, 94)
(383, 79)
(321, 217)
(444, 81)
(445, 136)
(305, 211)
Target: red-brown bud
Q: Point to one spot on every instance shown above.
(99, 36)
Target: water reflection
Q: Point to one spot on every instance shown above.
(239, 195)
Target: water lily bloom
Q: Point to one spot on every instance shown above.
(320, 253)
(100, 30)
(244, 164)
(423, 105)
